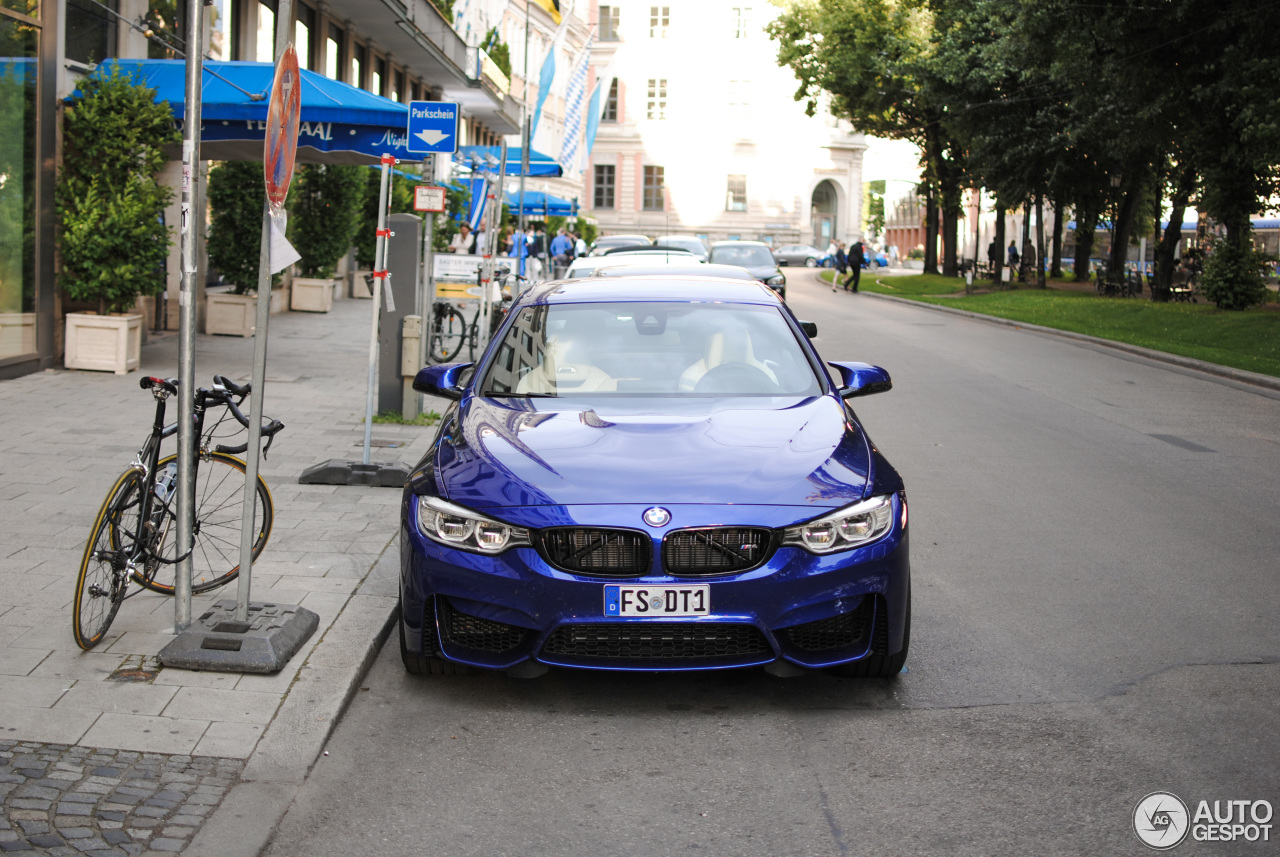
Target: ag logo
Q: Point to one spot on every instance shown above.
(1161, 821)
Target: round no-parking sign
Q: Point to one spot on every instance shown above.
(282, 128)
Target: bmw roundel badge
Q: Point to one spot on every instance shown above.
(656, 516)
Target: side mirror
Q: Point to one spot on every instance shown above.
(810, 328)
(444, 380)
(861, 379)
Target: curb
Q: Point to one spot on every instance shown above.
(1242, 376)
(242, 826)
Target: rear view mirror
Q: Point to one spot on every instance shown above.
(445, 380)
(810, 328)
(861, 379)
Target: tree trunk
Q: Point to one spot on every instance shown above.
(1173, 232)
(1040, 281)
(1024, 258)
(1086, 226)
(997, 273)
(1056, 270)
(1123, 229)
(950, 222)
(931, 229)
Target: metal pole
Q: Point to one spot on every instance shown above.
(379, 281)
(524, 122)
(192, 215)
(426, 308)
(494, 218)
(248, 520)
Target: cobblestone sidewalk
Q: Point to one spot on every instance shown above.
(64, 800)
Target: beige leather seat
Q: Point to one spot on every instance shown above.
(732, 346)
(566, 369)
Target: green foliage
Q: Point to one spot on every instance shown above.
(430, 418)
(1233, 277)
(498, 51)
(17, 192)
(444, 7)
(325, 214)
(589, 231)
(237, 198)
(874, 207)
(401, 202)
(109, 206)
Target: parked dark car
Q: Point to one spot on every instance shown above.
(653, 474)
(756, 257)
(692, 243)
(608, 242)
(802, 254)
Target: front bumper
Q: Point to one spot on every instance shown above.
(498, 611)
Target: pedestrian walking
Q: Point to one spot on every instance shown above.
(561, 247)
(841, 262)
(993, 259)
(1013, 257)
(463, 241)
(855, 257)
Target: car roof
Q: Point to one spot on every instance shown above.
(701, 269)
(741, 244)
(650, 287)
(630, 237)
(646, 249)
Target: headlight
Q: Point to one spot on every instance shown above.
(851, 527)
(457, 527)
(776, 280)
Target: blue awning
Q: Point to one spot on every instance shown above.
(537, 203)
(339, 123)
(488, 158)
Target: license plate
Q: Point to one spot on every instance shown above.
(657, 600)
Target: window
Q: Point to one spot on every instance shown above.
(657, 104)
(659, 20)
(611, 103)
(738, 100)
(358, 65)
(91, 30)
(265, 43)
(609, 20)
(397, 86)
(333, 53)
(605, 175)
(18, 188)
(741, 21)
(653, 188)
(303, 27)
(735, 198)
(379, 76)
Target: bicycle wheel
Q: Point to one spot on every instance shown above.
(447, 334)
(215, 559)
(103, 578)
(473, 335)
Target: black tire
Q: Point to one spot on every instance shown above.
(810, 262)
(473, 336)
(430, 662)
(215, 560)
(881, 665)
(103, 579)
(447, 334)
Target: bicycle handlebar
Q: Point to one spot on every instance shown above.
(221, 394)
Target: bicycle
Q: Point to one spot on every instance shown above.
(450, 329)
(134, 536)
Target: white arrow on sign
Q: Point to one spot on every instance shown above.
(432, 136)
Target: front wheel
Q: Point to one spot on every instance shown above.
(811, 262)
(103, 578)
(215, 558)
(448, 332)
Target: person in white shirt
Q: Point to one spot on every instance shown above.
(463, 242)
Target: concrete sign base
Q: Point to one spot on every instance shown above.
(264, 644)
(335, 471)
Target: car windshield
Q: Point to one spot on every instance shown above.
(693, 245)
(747, 256)
(650, 349)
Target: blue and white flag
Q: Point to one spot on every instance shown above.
(570, 146)
(478, 193)
(597, 105)
(547, 75)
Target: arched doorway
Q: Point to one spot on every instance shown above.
(822, 213)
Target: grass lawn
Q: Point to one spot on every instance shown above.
(1244, 340)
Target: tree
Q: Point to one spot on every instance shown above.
(325, 214)
(237, 197)
(112, 239)
(498, 51)
(400, 191)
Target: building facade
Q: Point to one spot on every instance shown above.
(403, 51)
(701, 134)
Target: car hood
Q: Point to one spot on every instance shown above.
(533, 452)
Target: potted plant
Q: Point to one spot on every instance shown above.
(236, 197)
(324, 215)
(111, 238)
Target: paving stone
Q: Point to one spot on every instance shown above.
(45, 841)
(14, 845)
(174, 831)
(75, 832)
(106, 772)
(80, 797)
(22, 803)
(75, 808)
(116, 837)
(32, 826)
(163, 844)
(40, 792)
(151, 811)
(107, 815)
(94, 844)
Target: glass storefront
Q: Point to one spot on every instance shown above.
(18, 90)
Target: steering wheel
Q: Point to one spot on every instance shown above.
(732, 379)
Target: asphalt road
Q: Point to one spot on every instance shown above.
(1097, 587)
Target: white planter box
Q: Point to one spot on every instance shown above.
(359, 287)
(17, 333)
(230, 315)
(311, 295)
(104, 343)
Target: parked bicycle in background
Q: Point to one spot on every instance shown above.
(135, 535)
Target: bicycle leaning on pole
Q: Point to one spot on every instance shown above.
(134, 537)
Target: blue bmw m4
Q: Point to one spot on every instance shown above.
(653, 473)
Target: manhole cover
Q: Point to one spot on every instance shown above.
(137, 668)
